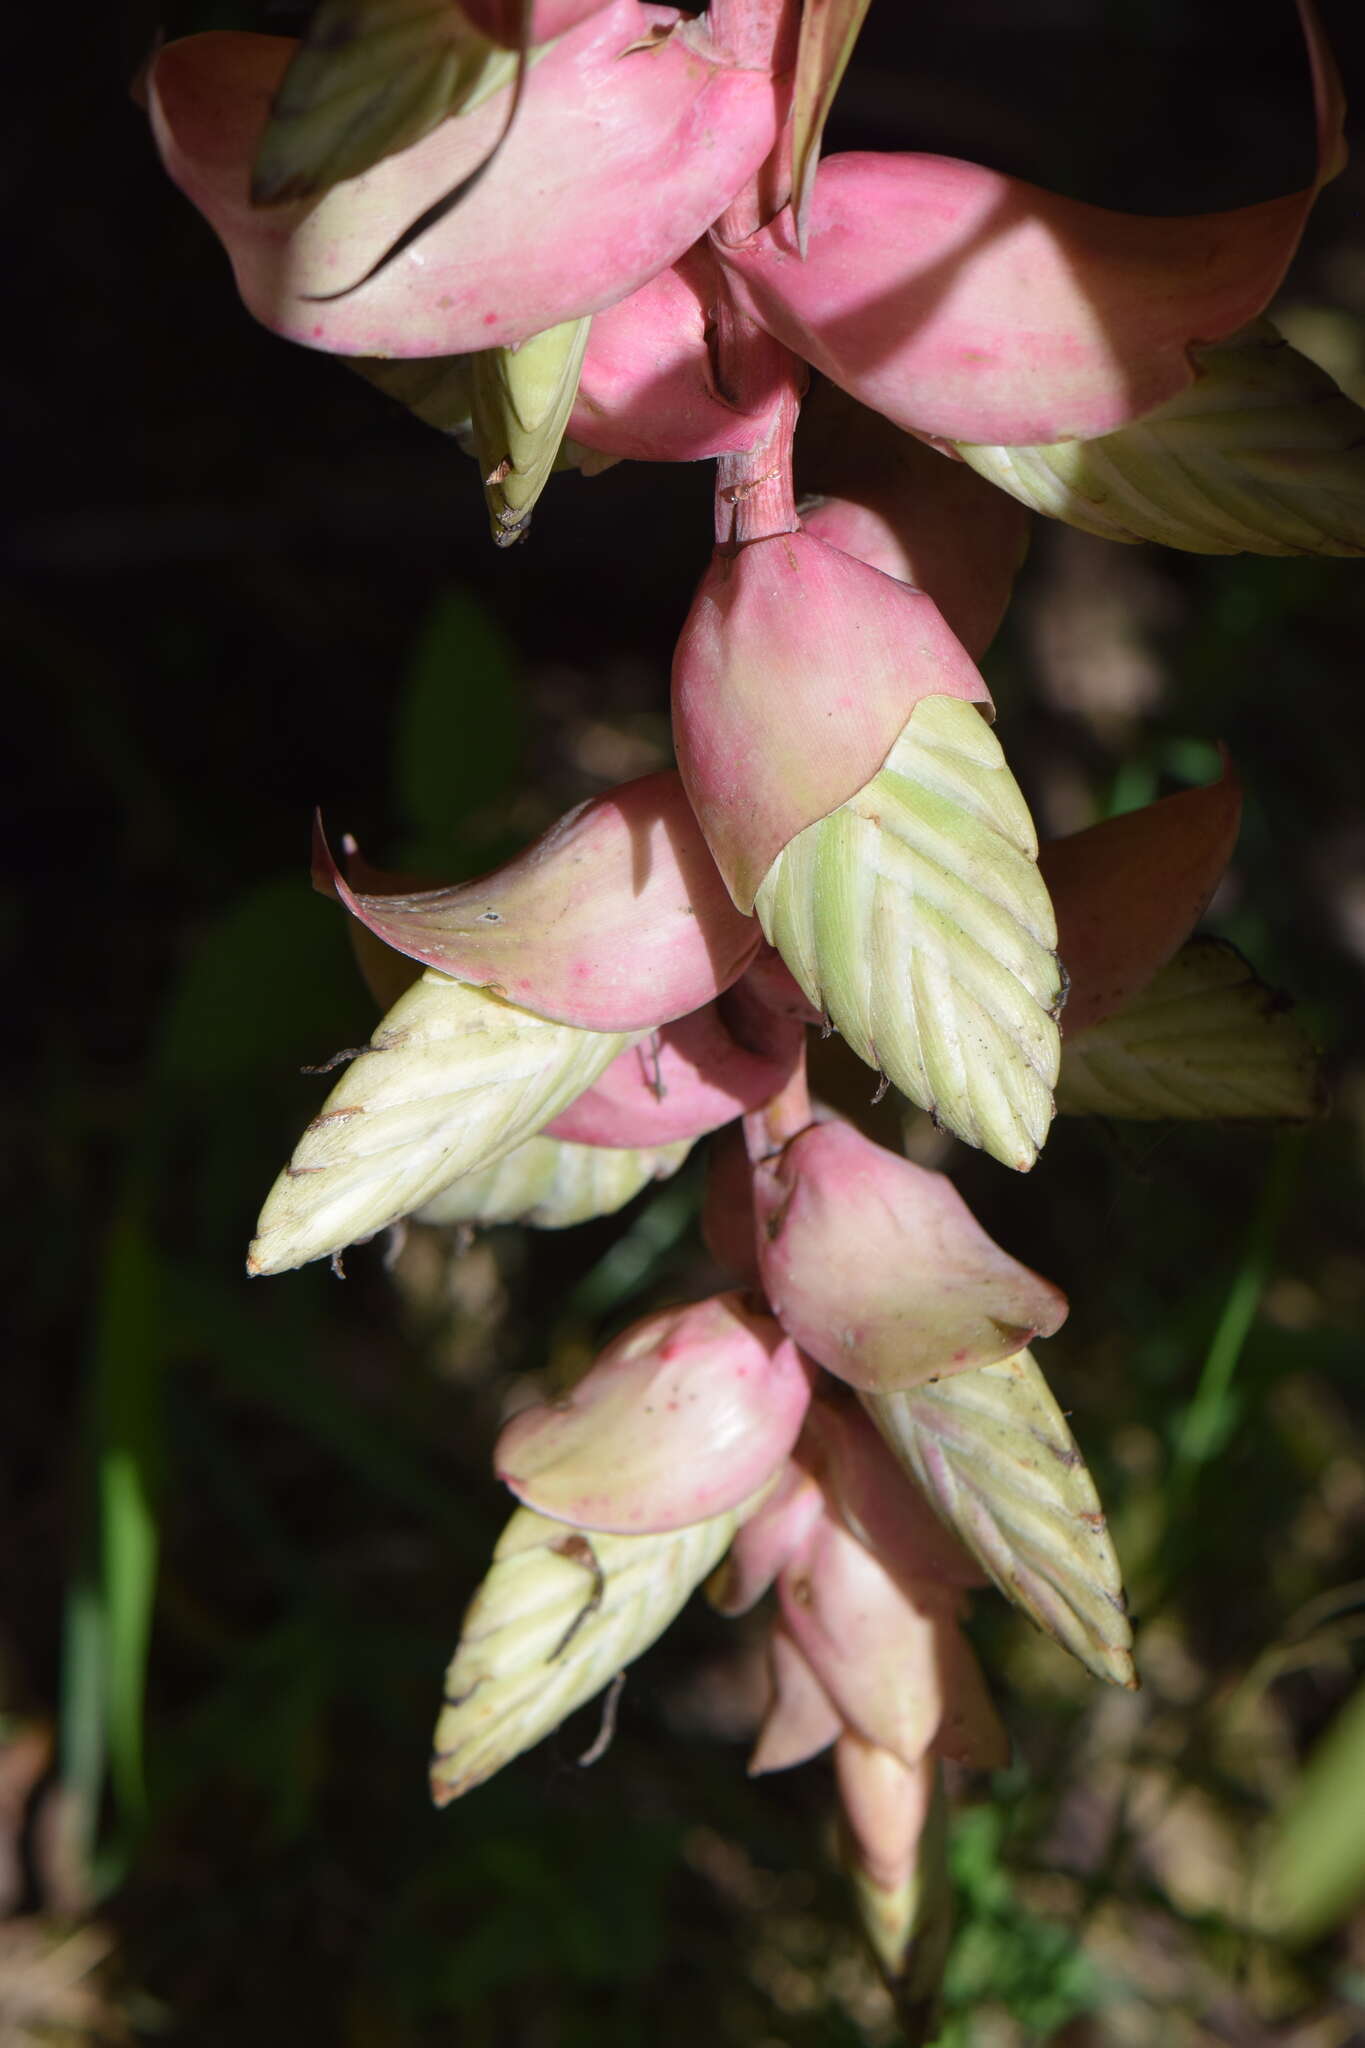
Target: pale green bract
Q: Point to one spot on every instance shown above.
(829, 31)
(371, 77)
(1205, 1039)
(453, 1079)
(552, 1184)
(439, 391)
(521, 400)
(915, 917)
(559, 1614)
(992, 1452)
(1263, 453)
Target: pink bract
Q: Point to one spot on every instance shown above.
(1130, 890)
(801, 1719)
(883, 1660)
(880, 1271)
(683, 1417)
(921, 547)
(868, 1489)
(974, 307)
(647, 389)
(892, 1659)
(685, 1080)
(886, 1804)
(628, 101)
(614, 920)
(767, 1541)
(795, 674)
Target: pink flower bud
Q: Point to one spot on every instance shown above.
(801, 1719)
(553, 230)
(891, 1664)
(877, 1501)
(796, 673)
(886, 1804)
(615, 912)
(685, 1080)
(683, 1417)
(879, 1270)
(972, 306)
(897, 1853)
(1129, 891)
(767, 1541)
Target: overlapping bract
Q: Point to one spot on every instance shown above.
(559, 1615)
(795, 674)
(1205, 1039)
(631, 98)
(993, 1453)
(879, 1269)
(453, 1079)
(1262, 453)
(614, 920)
(369, 78)
(552, 1184)
(685, 1416)
(914, 918)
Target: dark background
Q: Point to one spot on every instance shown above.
(241, 584)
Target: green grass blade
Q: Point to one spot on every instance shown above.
(127, 1368)
(1208, 1421)
(1314, 1868)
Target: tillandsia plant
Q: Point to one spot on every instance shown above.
(576, 232)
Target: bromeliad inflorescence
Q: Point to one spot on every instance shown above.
(584, 231)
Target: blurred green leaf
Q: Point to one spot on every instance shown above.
(82, 1714)
(1004, 1954)
(268, 985)
(461, 727)
(1314, 1868)
(635, 1258)
(272, 1359)
(1206, 1424)
(127, 1372)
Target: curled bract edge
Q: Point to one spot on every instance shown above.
(970, 306)
(616, 919)
(631, 97)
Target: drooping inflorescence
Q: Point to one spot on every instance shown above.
(583, 231)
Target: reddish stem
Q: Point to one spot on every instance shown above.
(754, 373)
(759, 35)
(755, 495)
(767, 1130)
